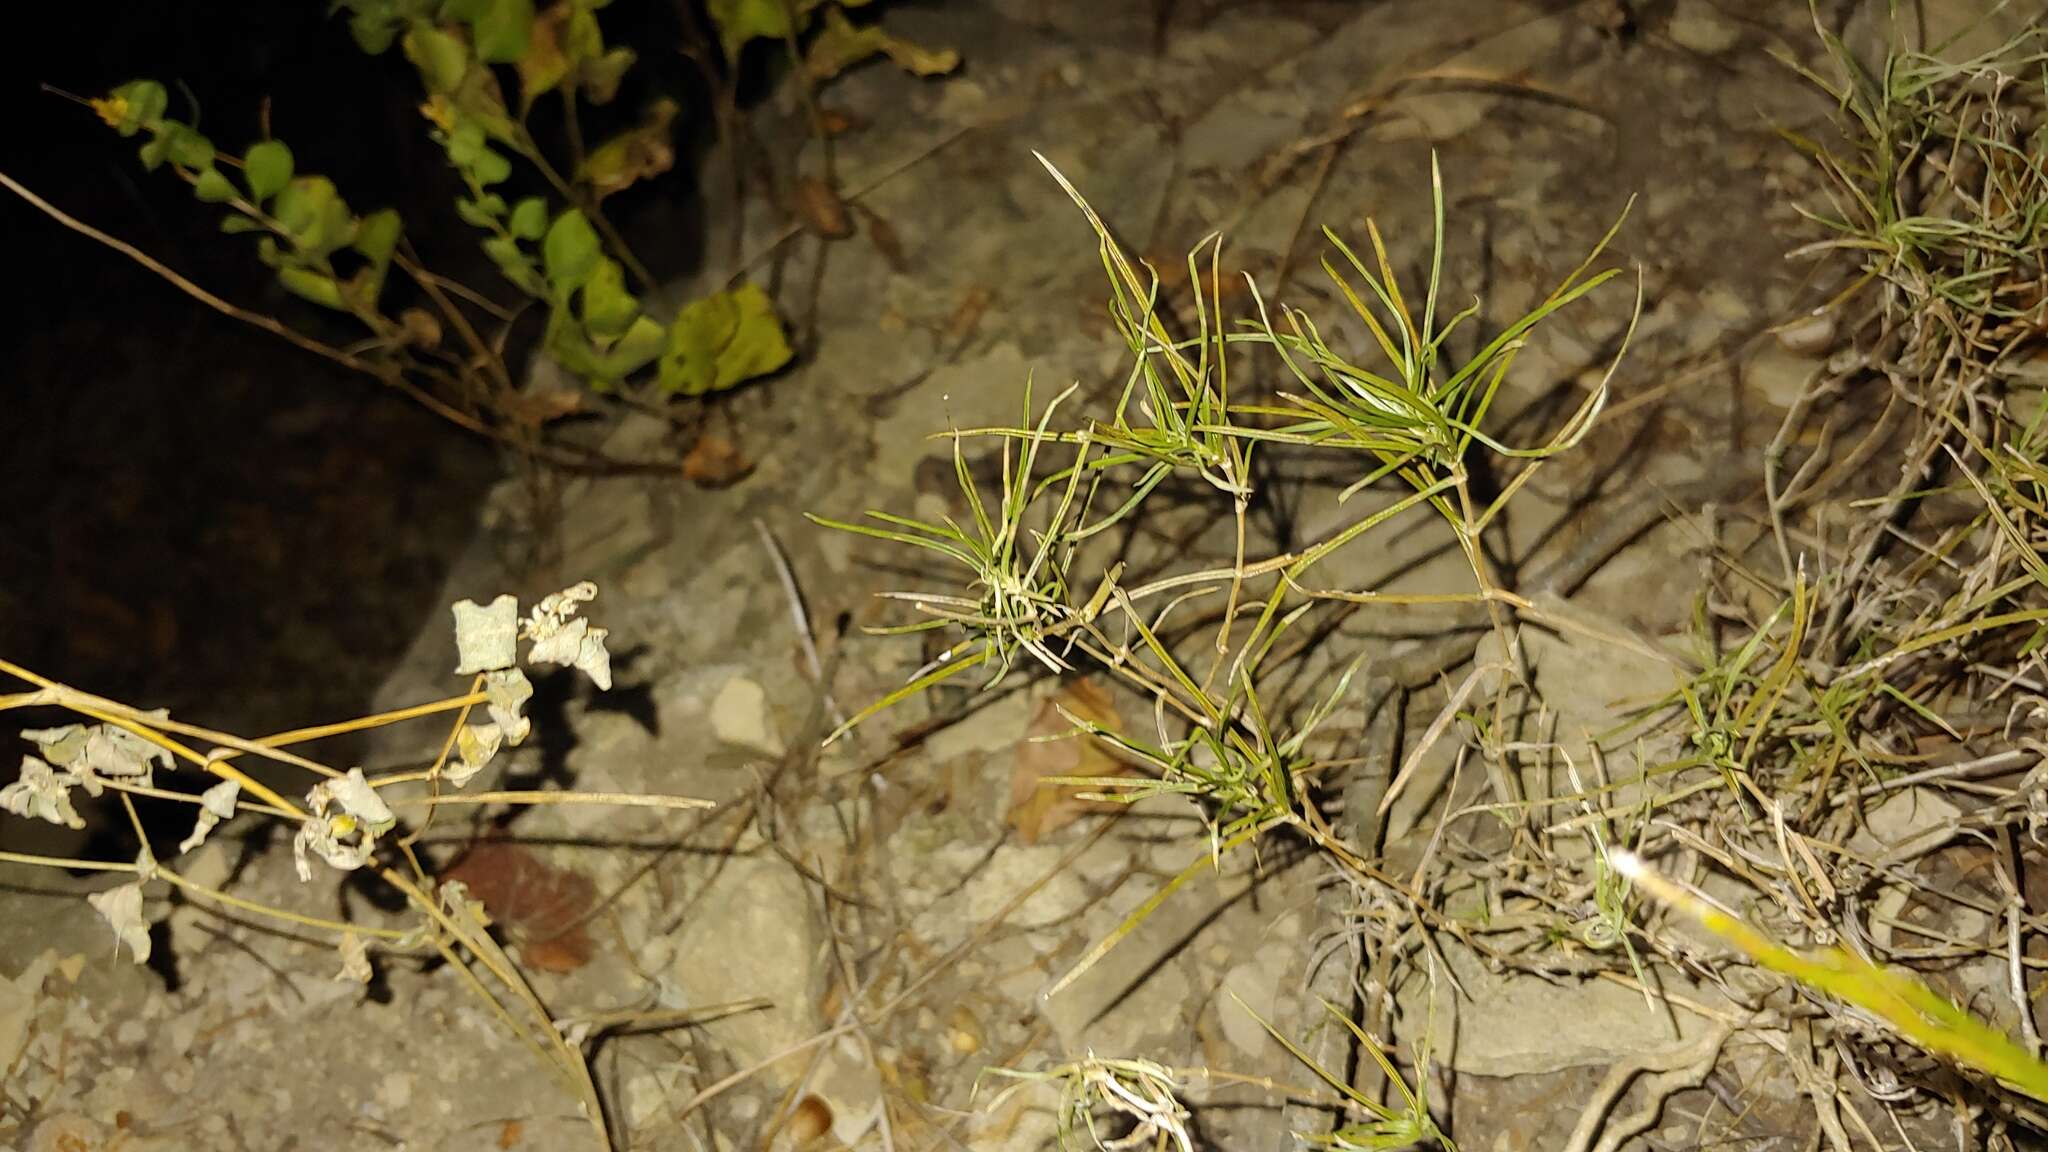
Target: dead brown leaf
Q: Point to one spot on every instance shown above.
(1039, 808)
(539, 407)
(417, 326)
(716, 462)
(882, 235)
(822, 210)
(965, 318)
(539, 906)
(840, 121)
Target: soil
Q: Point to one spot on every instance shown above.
(192, 538)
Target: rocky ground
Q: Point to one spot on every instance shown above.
(891, 871)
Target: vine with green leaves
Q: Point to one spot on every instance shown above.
(484, 66)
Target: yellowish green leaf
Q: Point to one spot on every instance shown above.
(632, 155)
(307, 284)
(723, 340)
(267, 168)
(441, 57)
(213, 187)
(569, 252)
(840, 44)
(608, 309)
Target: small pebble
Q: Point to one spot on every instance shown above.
(1809, 335)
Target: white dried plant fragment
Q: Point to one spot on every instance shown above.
(486, 636)
(111, 751)
(357, 798)
(92, 755)
(507, 693)
(62, 746)
(475, 745)
(355, 960)
(561, 637)
(554, 609)
(347, 818)
(337, 840)
(122, 909)
(41, 793)
(215, 805)
(464, 910)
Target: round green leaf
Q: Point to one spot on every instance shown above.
(639, 345)
(529, 218)
(608, 309)
(134, 106)
(569, 252)
(503, 30)
(213, 187)
(313, 215)
(514, 264)
(318, 287)
(185, 147)
(377, 237)
(473, 156)
(441, 57)
(482, 212)
(267, 168)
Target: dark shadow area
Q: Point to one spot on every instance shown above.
(198, 515)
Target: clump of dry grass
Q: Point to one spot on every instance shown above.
(1863, 635)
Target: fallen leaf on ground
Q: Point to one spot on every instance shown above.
(539, 905)
(841, 44)
(839, 121)
(882, 235)
(823, 211)
(716, 462)
(1038, 808)
(966, 316)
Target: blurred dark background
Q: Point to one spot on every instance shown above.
(197, 514)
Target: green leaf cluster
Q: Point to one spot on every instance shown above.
(303, 220)
(465, 53)
(835, 42)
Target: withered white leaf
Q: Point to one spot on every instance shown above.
(558, 645)
(554, 610)
(122, 909)
(345, 839)
(355, 960)
(594, 660)
(486, 636)
(559, 639)
(340, 840)
(463, 908)
(92, 753)
(579, 645)
(41, 793)
(215, 805)
(115, 751)
(356, 797)
(60, 746)
(508, 691)
(475, 745)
